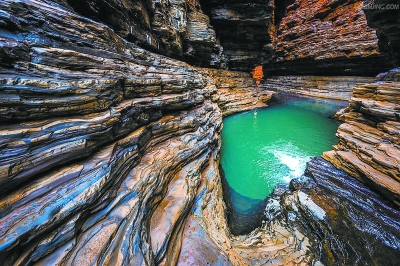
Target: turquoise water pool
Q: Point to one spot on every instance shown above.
(269, 146)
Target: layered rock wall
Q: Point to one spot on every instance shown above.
(178, 28)
(321, 37)
(369, 139)
(98, 138)
(110, 153)
(245, 29)
(237, 92)
(335, 88)
(106, 146)
(290, 37)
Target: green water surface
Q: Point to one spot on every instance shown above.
(263, 148)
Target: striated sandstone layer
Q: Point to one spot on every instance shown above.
(177, 28)
(369, 140)
(237, 92)
(103, 143)
(323, 37)
(335, 87)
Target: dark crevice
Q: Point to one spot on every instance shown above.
(281, 9)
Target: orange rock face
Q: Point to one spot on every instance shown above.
(258, 74)
(324, 36)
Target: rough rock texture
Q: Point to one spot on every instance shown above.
(346, 221)
(275, 244)
(109, 156)
(325, 217)
(324, 37)
(245, 30)
(386, 21)
(106, 147)
(175, 28)
(237, 92)
(98, 138)
(369, 140)
(336, 88)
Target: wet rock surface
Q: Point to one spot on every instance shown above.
(243, 214)
(368, 145)
(346, 222)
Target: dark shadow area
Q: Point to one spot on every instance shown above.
(280, 10)
(361, 66)
(244, 214)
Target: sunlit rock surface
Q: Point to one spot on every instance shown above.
(336, 87)
(369, 139)
(321, 37)
(237, 91)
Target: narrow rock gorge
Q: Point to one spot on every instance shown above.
(111, 115)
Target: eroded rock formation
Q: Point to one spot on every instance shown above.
(321, 37)
(336, 87)
(98, 138)
(245, 29)
(369, 139)
(384, 16)
(237, 91)
(110, 153)
(178, 28)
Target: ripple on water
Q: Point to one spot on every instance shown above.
(272, 146)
